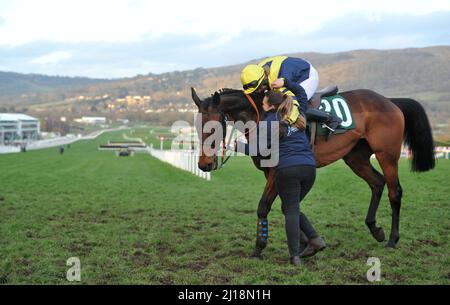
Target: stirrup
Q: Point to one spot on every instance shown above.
(328, 127)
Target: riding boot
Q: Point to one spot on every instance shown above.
(313, 114)
(315, 245)
(295, 260)
(303, 241)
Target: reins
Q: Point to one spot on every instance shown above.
(254, 107)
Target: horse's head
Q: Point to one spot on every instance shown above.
(210, 114)
(228, 104)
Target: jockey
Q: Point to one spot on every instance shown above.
(292, 76)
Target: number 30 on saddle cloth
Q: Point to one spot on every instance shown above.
(337, 106)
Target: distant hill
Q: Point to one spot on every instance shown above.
(12, 83)
(422, 73)
(390, 72)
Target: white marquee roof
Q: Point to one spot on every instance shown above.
(16, 117)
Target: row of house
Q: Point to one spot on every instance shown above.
(92, 120)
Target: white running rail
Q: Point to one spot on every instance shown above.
(182, 159)
(57, 141)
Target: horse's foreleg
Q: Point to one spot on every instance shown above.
(265, 204)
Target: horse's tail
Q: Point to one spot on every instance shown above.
(418, 134)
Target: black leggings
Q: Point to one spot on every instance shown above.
(293, 183)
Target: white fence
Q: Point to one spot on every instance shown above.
(47, 143)
(9, 149)
(443, 152)
(182, 159)
(52, 142)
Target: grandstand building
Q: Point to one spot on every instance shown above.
(16, 127)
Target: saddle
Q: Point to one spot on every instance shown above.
(315, 101)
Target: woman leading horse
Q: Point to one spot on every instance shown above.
(295, 172)
(381, 126)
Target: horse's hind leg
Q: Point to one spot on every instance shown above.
(359, 161)
(389, 164)
(384, 133)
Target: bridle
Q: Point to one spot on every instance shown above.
(224, 120)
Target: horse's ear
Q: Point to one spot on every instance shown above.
(195, 97)
(216, 99)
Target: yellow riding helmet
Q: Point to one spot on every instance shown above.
(251, 77)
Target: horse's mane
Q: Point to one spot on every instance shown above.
(221, 92)
(226, 91)
(229, 92)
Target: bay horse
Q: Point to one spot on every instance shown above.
(381, 126)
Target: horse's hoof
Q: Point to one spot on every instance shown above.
(379, 235)
(390, 246)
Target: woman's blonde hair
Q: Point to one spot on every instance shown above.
(283, 104)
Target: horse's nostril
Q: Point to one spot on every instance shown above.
(208, 167)
(205, 168)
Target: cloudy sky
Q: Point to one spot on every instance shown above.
(112, 38)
